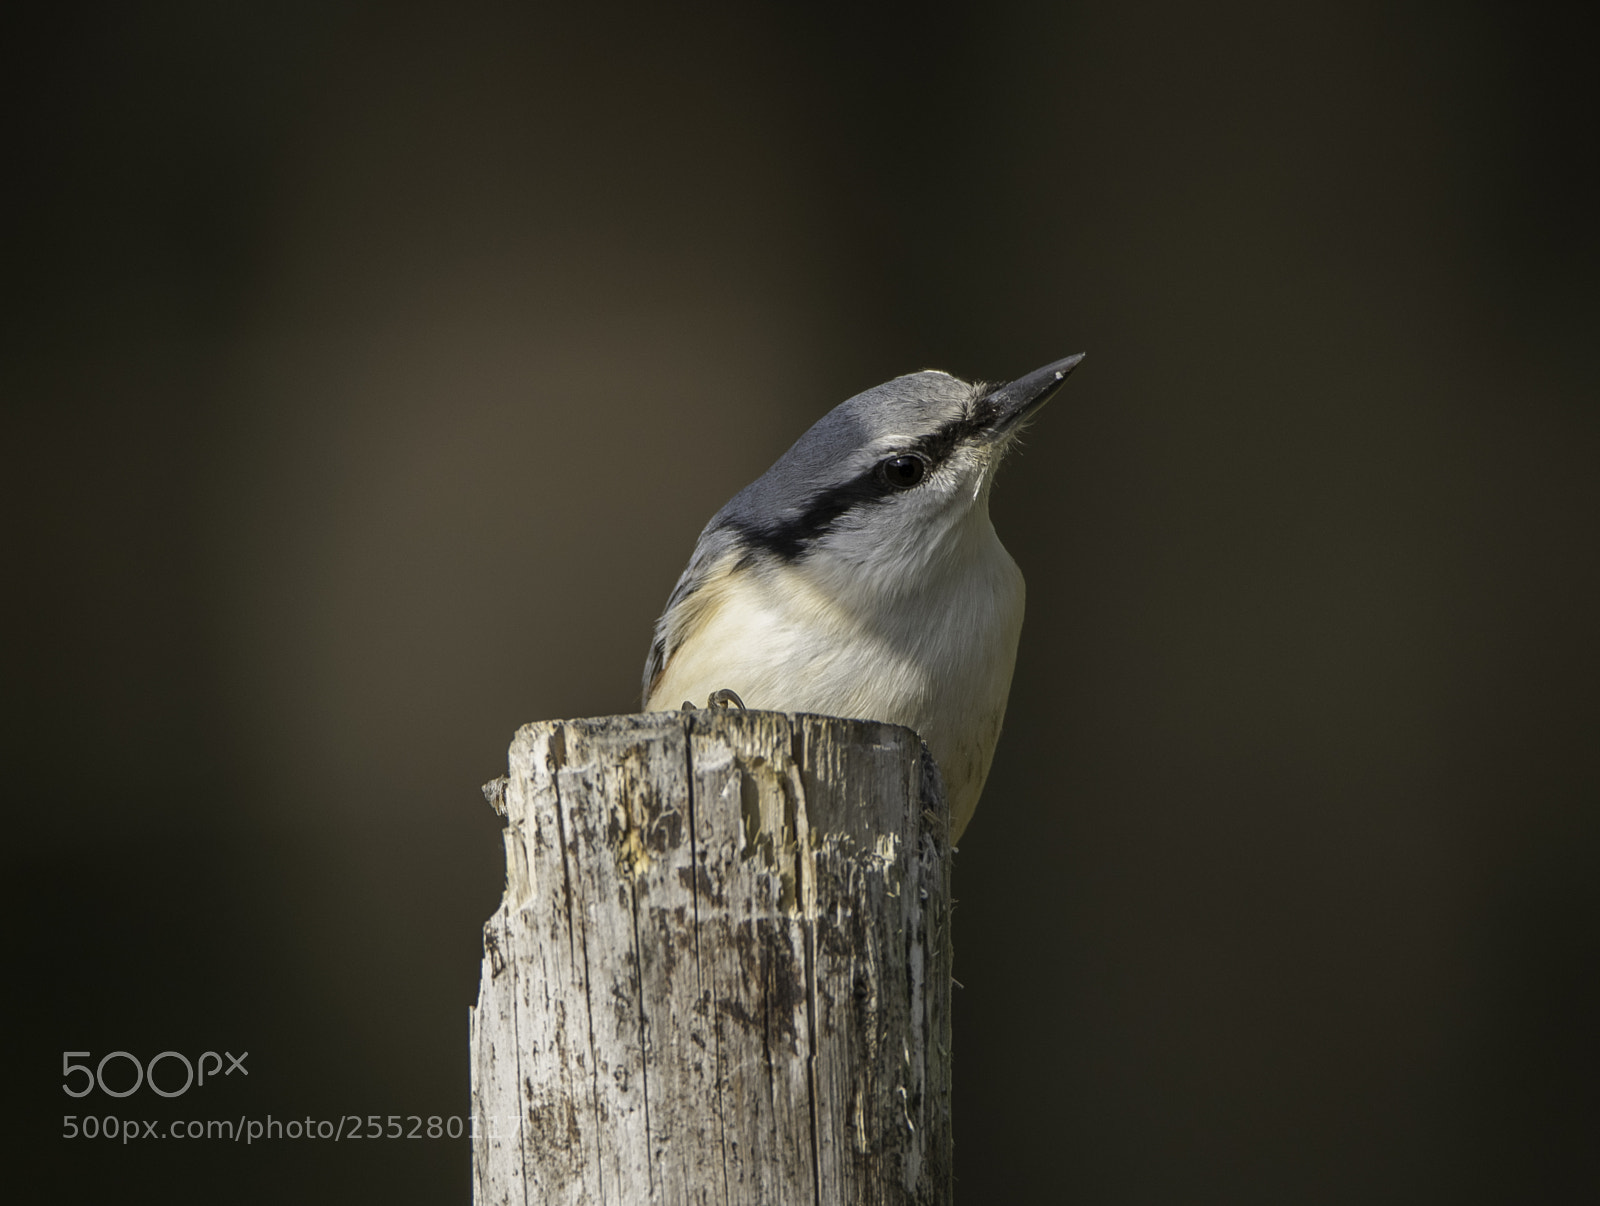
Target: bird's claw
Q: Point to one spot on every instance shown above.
(719, 699)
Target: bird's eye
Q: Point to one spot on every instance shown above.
(902, 472)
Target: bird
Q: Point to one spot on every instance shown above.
(861, 577)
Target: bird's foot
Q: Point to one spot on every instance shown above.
(719, 699)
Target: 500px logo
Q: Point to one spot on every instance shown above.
(146, 1072)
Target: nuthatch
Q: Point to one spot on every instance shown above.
(860, 575)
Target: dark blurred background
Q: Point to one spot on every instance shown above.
(369, 371)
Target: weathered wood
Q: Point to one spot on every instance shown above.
(721, 970)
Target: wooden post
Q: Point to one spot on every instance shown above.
(721, 969)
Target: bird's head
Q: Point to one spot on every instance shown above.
(884, 487)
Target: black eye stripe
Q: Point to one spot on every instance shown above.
(936, 447)
(788, 536)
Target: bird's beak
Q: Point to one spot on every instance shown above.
(1012, 404)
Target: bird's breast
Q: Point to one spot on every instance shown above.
(936, 657)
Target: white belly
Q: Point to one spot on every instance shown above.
(938, 660)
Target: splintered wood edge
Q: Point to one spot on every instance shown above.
(706, 722)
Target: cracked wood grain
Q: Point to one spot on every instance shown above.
(720, 973)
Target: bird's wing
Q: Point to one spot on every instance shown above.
(712, 558)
